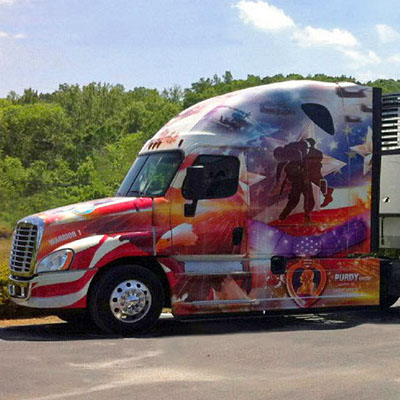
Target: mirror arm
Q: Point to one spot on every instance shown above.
(190, 209)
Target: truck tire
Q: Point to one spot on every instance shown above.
(387, 301)
(127, 299)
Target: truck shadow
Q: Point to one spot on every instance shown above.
(167, 327)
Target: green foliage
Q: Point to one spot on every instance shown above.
(387, 85)
(77, 143)
(4, 272)
(35, 132)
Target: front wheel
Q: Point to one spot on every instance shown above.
(127, 299)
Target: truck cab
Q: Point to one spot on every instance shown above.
(259, 200)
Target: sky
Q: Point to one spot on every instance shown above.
(161, 43)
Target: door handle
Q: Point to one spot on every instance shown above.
(237, 236)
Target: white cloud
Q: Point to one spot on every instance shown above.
(269, 18)
(365, 76)
(387, 34)
(395, 58)
(309, 37)
(360, 59)
(19, 36)
(7, 35)
(264, 16)
(7, 2)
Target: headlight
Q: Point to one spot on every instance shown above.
(57, 261)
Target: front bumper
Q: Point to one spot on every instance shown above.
(19, 289)
(52, 290)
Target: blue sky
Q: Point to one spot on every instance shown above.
(159, 43)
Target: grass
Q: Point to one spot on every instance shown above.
(6, 308)
(4, 254)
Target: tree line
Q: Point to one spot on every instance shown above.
(77, 143)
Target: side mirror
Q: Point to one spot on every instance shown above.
(193, 188)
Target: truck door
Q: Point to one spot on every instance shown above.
(208, 235)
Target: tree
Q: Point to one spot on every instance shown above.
(35, 132)
(174, 94)
(227, 77)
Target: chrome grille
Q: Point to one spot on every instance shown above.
(23, 248)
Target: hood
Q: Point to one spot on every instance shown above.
(94, 209)
(97, 217)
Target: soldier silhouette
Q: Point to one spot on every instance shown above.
(291, 160)
(313, 166)
(302, 164)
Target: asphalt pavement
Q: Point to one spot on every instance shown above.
(346, 355)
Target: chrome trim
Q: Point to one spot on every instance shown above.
(219, 302)
(241, 273)
(130, 301)
(24, 286)
(26, 240)
(211, 257)
(225, 267)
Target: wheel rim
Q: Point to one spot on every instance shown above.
(130, 301)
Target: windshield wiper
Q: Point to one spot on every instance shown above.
(137, 192)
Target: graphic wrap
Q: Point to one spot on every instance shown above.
(306, 283)
(304, 192)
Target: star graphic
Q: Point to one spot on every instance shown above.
(318, 140)
(253, 178)
(347, 130)
(333, 145)
(330, 164)
(365, 150)
(352, 155)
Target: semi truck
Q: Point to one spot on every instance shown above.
(281, 197)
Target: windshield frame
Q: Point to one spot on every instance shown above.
(150, 153)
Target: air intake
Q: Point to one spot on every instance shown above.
(390, 122)
(23, 248)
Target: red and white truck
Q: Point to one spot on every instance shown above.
(276, 197)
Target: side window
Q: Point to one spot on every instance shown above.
(221, 175)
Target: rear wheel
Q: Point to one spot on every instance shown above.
(127, 299)
(387, 301)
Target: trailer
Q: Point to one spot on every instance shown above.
(280, 197)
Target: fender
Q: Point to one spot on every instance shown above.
(99, 250)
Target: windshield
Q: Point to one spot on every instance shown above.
(151, 174)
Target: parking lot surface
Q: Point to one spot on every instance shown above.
(347, 355)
